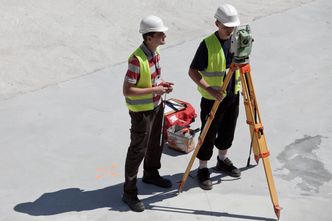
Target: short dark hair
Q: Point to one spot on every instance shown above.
(146, 35)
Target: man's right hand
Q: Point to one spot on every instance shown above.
(217, 94)
(160, 90)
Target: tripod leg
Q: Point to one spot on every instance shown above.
(206, 128)
(199, 144)
(252, 112)
(259, 145)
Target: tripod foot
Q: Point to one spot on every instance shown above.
(257, 159)
(181, 184)
(277, 209)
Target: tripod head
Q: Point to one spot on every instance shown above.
(241, 44)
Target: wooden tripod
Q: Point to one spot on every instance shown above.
(259, 146)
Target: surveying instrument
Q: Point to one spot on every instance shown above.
(241, 44)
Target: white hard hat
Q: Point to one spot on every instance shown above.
(152, 23)
(227, 15)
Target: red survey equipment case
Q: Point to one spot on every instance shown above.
(178, 117)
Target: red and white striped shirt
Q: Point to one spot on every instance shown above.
(133, 72)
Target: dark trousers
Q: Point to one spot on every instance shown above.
(145, 135)
(221, 131)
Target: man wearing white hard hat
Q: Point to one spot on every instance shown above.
(143, 88)
(207, 70)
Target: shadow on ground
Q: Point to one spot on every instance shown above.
(76, 199)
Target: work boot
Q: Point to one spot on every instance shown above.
(133, 202)
(203, 176)
(227, 167)
(153, 177)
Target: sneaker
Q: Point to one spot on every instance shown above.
(156, 179)
(133, 202)
(227, 167)
(203, 176)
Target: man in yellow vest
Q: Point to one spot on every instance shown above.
(143, 88)
(208, 70)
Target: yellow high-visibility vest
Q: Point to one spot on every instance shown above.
(216, 69)
(141, 102)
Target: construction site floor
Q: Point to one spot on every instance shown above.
(63, 147)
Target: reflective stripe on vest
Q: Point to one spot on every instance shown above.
(141, 102)
(216, 69)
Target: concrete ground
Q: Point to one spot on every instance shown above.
(63, 147)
